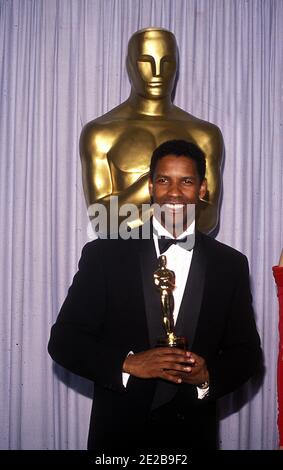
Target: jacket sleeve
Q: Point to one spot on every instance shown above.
(240, 356)
(77, 341)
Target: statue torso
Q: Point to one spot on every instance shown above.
(132, 141)
(116, 149)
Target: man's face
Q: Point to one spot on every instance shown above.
(176, 184)
(152, 64)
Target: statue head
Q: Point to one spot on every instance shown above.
(152, 62)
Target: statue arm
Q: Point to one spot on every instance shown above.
(214, 148)
(212, 144)
(96, 172)
(97, 182)
(137, 193)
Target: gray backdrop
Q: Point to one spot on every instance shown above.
(62, 63)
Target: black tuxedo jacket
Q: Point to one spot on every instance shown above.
(113, 307)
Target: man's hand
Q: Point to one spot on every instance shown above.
(197, 373)
(163, 363)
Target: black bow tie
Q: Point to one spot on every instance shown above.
(187, 243)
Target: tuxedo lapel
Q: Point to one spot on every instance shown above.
(149, 264)
(192, 298)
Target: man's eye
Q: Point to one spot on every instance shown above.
(187, 181)
(162, 180)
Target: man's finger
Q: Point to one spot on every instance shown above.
(171, 377)
(178, 367)
(177, 358)
(171, 351)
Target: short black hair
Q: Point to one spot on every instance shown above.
(179, 148)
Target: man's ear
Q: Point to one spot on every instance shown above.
(203, 188)
(150, 187)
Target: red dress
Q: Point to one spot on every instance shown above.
(278, 275)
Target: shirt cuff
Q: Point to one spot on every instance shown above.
(125, 375)
(202, 392)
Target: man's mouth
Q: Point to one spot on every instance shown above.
(173, 206)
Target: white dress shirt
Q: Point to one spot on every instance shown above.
(178, 260)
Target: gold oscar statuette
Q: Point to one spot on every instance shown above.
(164, 279)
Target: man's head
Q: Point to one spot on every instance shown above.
(177, 179)
(152, 62)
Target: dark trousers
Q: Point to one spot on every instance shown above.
(171, 427)
(174, 427)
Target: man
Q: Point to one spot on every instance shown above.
(148, 397)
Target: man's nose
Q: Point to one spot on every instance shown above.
(174, 189)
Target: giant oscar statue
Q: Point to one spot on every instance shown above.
(116, 148)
